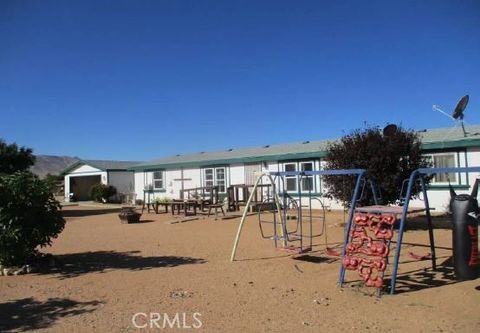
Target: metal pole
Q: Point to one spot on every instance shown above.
(429, 223)
(401, 228)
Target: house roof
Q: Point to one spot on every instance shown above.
(308, 149)
(432, 139)
(104, 165)
(452, 137)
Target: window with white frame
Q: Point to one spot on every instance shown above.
(290, 181)
(444, 160)
(215, 177)
(307, 183)
(158, 180)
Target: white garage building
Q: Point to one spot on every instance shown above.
(82, 175)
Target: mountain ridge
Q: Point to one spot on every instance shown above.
(51, 164)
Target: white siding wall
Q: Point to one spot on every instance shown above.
(237, 174)
(173, 186)
(139, 183)
(194, 175)
(123, 181)
(271, 166)
(84, 169)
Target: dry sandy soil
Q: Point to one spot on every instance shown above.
(111, 271)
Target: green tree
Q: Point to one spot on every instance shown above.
(13, 158)
(389, 160)
(29, 217)
(29, 214)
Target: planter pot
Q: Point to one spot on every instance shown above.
(129, 215)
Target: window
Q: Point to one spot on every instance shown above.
(290, 181)
(446, 160)
(220, 179)
(158, 181)
(209, 177)
(215, 177)
(307, 181)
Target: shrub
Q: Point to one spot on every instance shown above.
(102, 192)
(29, 217)
(388, 159)
(162, 200)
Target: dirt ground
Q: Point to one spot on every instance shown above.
(116, 276)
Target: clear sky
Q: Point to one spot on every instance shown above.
(137, 80)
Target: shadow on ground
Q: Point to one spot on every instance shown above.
(29, 314)
(425, 278)
(76, 264)
(411, 281)
(88, 212)
(420, 222)
(316, 259)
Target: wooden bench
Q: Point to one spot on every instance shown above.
(188, 207)
(164, 204)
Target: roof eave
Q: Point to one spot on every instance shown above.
(80, 163)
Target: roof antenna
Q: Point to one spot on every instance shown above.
(457, 115)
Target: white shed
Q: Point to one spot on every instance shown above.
(81, 176)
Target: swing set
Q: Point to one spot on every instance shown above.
(289, 214)
(369, 230)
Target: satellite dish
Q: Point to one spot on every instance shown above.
(457, 115)
(460, 108)
(390, 130)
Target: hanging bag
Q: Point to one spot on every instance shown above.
(465, 212)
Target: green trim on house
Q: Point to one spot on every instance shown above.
(451, 144)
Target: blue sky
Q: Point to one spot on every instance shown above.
(136, 80)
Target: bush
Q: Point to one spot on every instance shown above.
(388, 159)
(162, 200)
(29, 217)
(102, 192)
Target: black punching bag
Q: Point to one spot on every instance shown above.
(465, 235)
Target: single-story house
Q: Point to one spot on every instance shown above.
(82, 175)
(167, 176)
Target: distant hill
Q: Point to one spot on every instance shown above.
(51, 164)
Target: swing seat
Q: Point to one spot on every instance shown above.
(332, 252)
(294, 237)
(295, 249)
(420, 257)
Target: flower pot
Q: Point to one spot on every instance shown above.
(129, 215)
